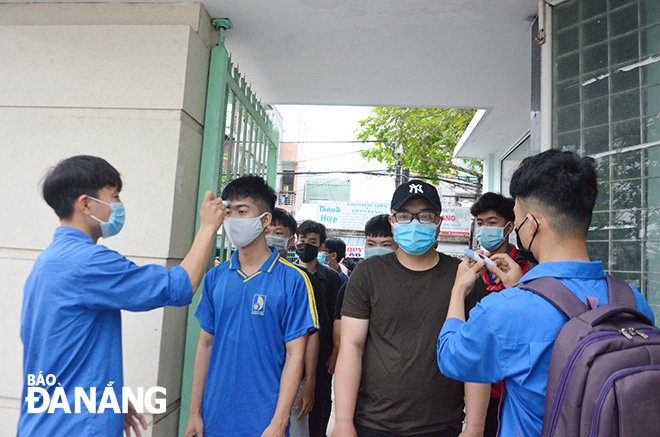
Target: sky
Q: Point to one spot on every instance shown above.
(320, 130)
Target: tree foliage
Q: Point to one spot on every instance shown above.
(423, 133)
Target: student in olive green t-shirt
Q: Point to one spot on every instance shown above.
(387, 381)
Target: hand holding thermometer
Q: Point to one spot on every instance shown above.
(476, 256)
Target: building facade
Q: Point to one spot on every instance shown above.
(596, 90)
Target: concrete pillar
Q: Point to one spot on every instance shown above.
(126, 82)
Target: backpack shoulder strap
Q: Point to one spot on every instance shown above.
(557, 294)
(619, 292)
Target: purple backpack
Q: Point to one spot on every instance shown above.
(604, 377)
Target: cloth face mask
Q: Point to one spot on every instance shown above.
(115, 221)
(306, 252)
(243, 231)
(491, 237)
(376, 251)
(414, 238)
(278, 242)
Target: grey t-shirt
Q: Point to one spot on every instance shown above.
(402, 390)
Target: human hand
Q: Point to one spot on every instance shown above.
(132, 420)
(195, 426)
(305, 401)
(467, 274)
(212, 212)
(507, 270)
(344, 430)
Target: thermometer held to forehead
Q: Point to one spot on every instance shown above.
(227, 203)
(476, 256)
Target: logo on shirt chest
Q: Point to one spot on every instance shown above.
(258, 304)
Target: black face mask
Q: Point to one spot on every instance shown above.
(527, 254)
(306, 252)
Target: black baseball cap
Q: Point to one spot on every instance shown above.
(415, 189)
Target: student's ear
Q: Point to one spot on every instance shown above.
(508, 228)
(291, 241)
(533, 220)
(81, 205)
(266, 219)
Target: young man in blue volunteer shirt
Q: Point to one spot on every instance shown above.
(255, 314)
(281, 234)
(510, 334)
(387, 382)
(71, 320)
(494, 222)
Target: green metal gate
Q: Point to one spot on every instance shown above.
(239, 139)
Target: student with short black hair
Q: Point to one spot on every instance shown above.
(73, 297)
(494, 218)
(386, 379)
(281, 234)
(510, 334)
(256, 312)
(332, 253)
(378, 240)
(311, 236)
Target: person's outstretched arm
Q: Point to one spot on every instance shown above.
(212, 214)
(348, 373)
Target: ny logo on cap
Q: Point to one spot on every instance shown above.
(416, 188)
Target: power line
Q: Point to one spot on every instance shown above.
(329, 156)
(455, 182)
(334, 142)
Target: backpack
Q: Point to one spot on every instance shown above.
(604, 377)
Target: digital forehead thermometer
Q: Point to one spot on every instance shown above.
(227, 203)
(476, 256)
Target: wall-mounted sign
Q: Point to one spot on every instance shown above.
(352, 216)
(348, 215)
(455, 221)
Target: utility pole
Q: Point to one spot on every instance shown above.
(398, 178)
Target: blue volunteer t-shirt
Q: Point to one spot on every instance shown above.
(71, 327)
(509, 336)
(251, 319)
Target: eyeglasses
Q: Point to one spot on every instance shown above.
(407, 217)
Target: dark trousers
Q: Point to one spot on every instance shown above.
(363, 431)
(320, 414)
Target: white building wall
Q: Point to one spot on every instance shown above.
(126, 82)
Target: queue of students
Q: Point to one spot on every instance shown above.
(420, 343)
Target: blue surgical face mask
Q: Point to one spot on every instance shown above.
(323, 258)
(115, 221)
(415, 238)
(491, 237)
(376, 251)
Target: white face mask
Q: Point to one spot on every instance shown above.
(278, 242)
(243, 231)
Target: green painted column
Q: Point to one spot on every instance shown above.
(212, 156)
